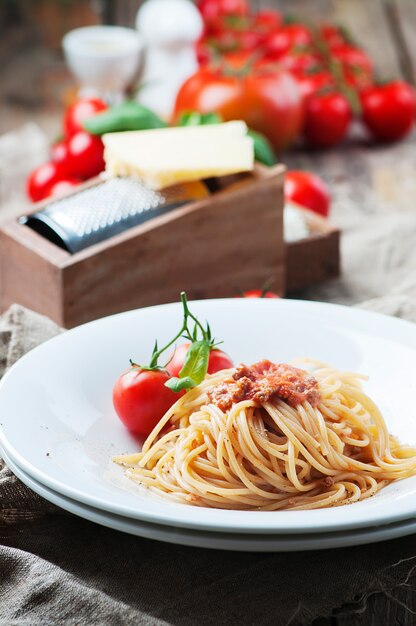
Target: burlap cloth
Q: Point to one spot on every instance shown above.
(59, 569)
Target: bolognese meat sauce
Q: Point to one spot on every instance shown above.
(264, 381)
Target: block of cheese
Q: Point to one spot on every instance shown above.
(167, 156)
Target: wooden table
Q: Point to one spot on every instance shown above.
(366, 180)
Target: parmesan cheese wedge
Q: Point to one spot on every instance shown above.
(167, 156)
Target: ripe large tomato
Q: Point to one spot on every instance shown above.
(308, 190)
(79, 111)
(141, 399)
(218, 360)
(388, 110)
(268, 101)
(328, 117)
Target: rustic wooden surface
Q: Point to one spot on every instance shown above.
(365, 180)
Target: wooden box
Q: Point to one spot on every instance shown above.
(216, 247)
(315, 259)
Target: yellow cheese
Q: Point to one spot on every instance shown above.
(167, 156)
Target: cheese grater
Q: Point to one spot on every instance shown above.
(94, 214)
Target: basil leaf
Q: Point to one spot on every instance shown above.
(194, 118)
(177, 384)
(196, 362)
(126, 116)
(263, 151)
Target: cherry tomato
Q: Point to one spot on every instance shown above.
(218, 360)
(59, 155)
(267, 21)
(268, 101)
(213, 10)
(85, 155)
(318, 82)
(61, 187)
(41, 180)
(285, 39)
(328, 117)
(80, 111)
(203, 51)
(301, 62)
(332, 35)
(141, 399)
(388, 110)
(356, 65)
(234, 39)
(259, 293)
(308, 190)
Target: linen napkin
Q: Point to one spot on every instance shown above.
(60, 569)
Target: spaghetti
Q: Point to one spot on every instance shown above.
(325, 445)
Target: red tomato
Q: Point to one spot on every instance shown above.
(258, 293)
(213, 10)
(300, 62)
(41, 180)
(356, 64)
(328, 117)
(268, 101)
(228, 40)
(388, 110)
(285, 39)
(203, 51)
(61, 187)
(308, 190)
(141, 399)
(80, 111)
(85, 155)
(59, 155)
(267, 21)
(332, 35)
(310, 84)
(218, 360)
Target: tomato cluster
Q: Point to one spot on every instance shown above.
(77, 157)
(143, 394)
(252, 65)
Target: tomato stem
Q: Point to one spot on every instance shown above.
(183, 332)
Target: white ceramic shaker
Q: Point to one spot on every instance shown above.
(169, 30)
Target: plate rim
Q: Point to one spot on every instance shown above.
(192, 538)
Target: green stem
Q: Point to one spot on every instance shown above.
(187, 314)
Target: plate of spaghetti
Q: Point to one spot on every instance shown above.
(302, 421)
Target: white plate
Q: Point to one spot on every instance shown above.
(58, 424)
(217, 540)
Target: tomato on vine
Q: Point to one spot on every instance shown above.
(388, 110)
(328, 116)
(141, 398)
(78, 112)
(144, 393)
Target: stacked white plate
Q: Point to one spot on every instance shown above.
(59, 430)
